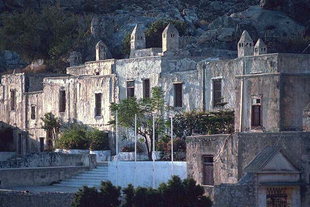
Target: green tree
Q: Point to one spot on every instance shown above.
(51, 125)
(110, 194)
(87, 197)
(145, 109)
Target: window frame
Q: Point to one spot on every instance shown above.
(13, 99)
(256, 104)
(33, 112)
(146, 88)
(220, 99)
(204, 164)
(130, 89)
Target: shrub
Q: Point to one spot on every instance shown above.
(87, 197)
(110, 194)
(131, 148)
(99, 140)
(78, 136)
(73, 138)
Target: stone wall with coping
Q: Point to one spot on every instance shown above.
(50, 159)
(22, 199)
(13, 177)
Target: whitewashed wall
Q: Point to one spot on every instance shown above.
(122, 173)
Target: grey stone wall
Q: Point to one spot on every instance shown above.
(50, 159)
(224, 149)
(36, 176)
(22, 199)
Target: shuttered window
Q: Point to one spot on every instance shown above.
(208, 177)
(13, 99)
(130, 89)
(217, 92)
(256, 119)
(33, 112)
(62, 101)
(178, 93)
(98, 104)
(146, 88)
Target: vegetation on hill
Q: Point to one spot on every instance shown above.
(48, 34)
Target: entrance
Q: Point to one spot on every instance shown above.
(41, 144)
(276, 197)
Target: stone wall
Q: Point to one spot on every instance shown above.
(36, 176)
(22, 199)
(224, 149)
(50, 159)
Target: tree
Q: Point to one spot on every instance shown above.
(145, 109)
(51, 125)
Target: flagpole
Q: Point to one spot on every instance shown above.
(135, 137)
(153, 151)
(171, 131)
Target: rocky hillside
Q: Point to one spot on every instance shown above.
(208, 27)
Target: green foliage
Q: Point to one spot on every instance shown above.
(50, 122)
(144, 108)
(177, 192)
(99, 140)
(131, 148)
(126, 45)
(78, 136)
(90, 197)
(87, 197)
(153, 34)
(49, 34)
(219, 122)
(110, 194)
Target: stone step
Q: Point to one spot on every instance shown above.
(87, 176)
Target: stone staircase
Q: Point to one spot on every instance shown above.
(91, 178)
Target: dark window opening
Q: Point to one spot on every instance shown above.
(13, 99)
(62, 101)
(130, 89)
(19, 144)
(208, 176)
(256, 120)
(146, 88)
(41, 144)
(217, 92)
(98, 102)
(178, 95)
(33, 112)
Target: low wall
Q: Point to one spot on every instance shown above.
(36, 176)
(22, 199)
(6, 155)
(234, 195)
(122, 173)
(50, 159)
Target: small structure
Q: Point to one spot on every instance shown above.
(75, 58)
(137, 38)
(260, 48)
(170, 39)
(102, 51)
(245, 45)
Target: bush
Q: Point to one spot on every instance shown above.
(73, 138)
(219, 122)
(177, 192)
(78, 136)
(99, 140)
(90, 197)
(131, 148)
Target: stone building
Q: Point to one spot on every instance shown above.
(265, 163)
(86, 92)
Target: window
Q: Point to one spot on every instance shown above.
(217, 92)
(33, 112)
(41, 144)
(146, 88)
(276, 197)
(256, 112)
(178, 95)
(62, 101)
(130, 89)
(13, 99)
(98, 100)
(208, 177)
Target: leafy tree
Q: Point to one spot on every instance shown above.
(51, 125)
(144, 108)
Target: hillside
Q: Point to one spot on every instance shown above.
(50, 29)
